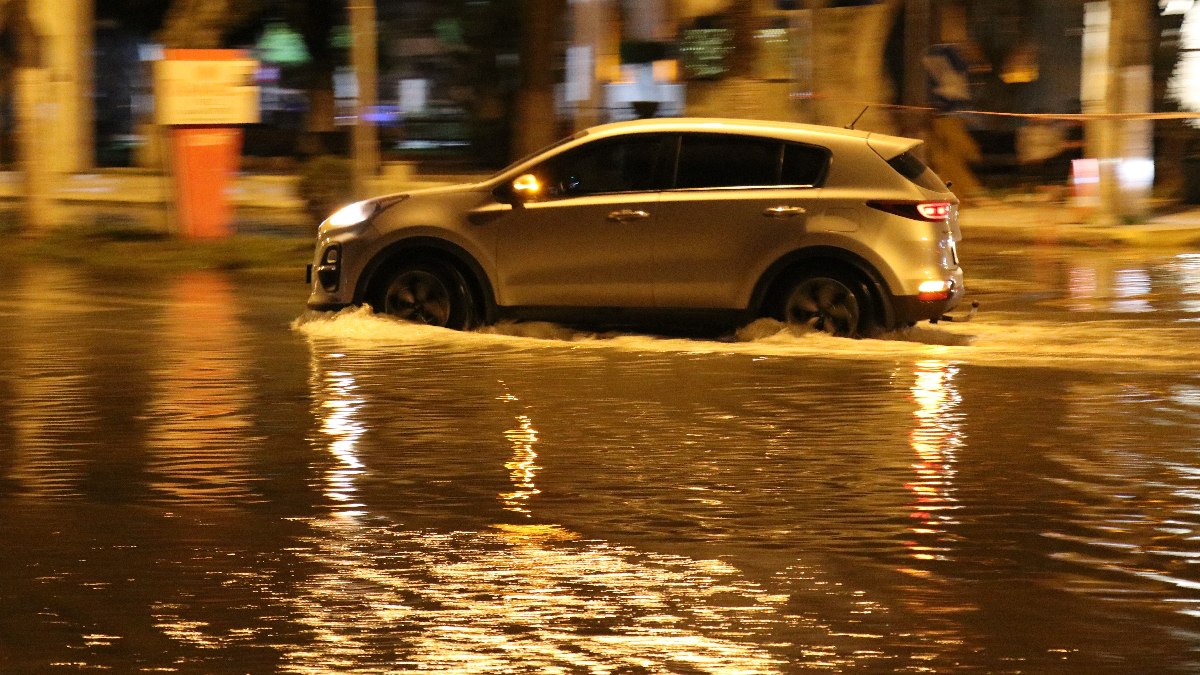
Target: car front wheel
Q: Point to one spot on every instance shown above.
(831, 302)
(426, 293)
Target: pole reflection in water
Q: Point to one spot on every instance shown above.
(936, 439)
(53, 408)
(1187, 271)
(1132, 289)
(1105, 283)
(1097, 286)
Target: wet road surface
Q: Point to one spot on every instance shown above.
(196, 478)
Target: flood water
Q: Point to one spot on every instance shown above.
(196, 477)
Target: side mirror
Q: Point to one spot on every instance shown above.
(525, 188)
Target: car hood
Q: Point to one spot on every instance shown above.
(457, 188)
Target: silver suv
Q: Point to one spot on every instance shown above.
(663, 223)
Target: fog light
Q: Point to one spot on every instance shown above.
(330, 270)
(932, 291)
(328, 276)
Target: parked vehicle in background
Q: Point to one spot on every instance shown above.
(663, 222)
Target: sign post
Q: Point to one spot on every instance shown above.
(202, 95)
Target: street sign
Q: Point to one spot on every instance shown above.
(192, 87)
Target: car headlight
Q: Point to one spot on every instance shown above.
(353, 214)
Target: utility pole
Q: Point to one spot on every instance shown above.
(363, 54)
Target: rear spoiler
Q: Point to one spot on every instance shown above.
(890, 147)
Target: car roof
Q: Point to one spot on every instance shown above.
(885, 144)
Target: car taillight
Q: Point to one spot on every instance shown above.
(927, 211)
(934, 210)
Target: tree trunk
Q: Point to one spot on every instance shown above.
(536, 121)
(365, 150)
(30, 80)
(1121, 48)
(743, 21)
(37, 209)
(201, 24)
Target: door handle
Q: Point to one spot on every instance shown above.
(626, 215)
(784, 211)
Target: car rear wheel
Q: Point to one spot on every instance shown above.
(831, 302)
(427, 293)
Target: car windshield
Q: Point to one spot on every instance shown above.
(910, 166)
(548, 148)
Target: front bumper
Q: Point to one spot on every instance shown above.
(318, 299)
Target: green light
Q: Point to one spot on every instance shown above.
(704, 52)
(281, 45)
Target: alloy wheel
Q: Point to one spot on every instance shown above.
(823, 304)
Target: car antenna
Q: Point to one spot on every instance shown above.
(856, 119)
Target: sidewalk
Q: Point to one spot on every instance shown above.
(1168, 226)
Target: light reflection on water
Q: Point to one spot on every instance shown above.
(1099, 281)
(936, 528)
(514, 595)
(338, 413)
(1139, 515)
(215, 491)
(936, 439)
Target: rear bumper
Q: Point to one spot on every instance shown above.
(908, 309)
(911, 310)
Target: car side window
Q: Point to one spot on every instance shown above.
(716, 161)
(804, 164)
(607, 166)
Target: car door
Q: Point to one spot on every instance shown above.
(738, 203)
(586, 239)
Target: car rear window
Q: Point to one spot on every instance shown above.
(911, 167)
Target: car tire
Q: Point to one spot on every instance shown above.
(830, 301)
(429, 293)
